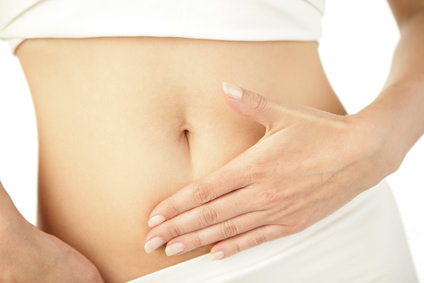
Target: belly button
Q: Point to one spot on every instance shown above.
(186, 134)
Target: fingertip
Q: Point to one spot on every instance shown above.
(217, 255)
(155, 220)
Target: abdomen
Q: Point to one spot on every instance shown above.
(125, 122)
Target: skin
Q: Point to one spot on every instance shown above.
(37, 256)
(108, 156)
(72, 92)
(279, 187)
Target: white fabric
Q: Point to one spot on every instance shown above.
(252, 20)
(362, 242)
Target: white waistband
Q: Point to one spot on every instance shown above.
(360, 242)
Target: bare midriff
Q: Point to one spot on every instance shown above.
(124, 122)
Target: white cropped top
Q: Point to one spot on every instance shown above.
(247, 20)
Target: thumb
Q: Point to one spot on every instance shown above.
(251, 104)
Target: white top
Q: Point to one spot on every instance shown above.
(246, 20)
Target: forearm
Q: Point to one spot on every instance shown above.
(400, 105)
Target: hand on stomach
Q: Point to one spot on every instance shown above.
(124, 122)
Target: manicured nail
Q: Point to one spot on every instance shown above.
(174, 249)
(153, 244)
(218, 255)
(155, 220)
(232, 90)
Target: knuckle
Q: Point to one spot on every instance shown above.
(258, 172)
(258, 103)
(259, 239)
(267, 197)
(173, 207)
(235, 246)
(196, 241)
(174, 230)
(229, 229)
(202, 193)
(271, 217)
(208, 215)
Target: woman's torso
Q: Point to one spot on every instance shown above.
(124, 122)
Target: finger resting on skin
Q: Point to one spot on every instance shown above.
(230, 177)
(220, 231)
(226, 207)
(249, 239)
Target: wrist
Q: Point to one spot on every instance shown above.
(382, 141)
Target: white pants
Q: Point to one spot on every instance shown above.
(363, 241)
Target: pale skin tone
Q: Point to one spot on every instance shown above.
(285, 183)
(384, 131)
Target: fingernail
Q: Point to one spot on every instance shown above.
(155, 220)
(232, 90)
(218, 255)
(174, 249)
(153, 244)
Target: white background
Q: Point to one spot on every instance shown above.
(356, 48)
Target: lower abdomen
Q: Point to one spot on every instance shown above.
(125, 122)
